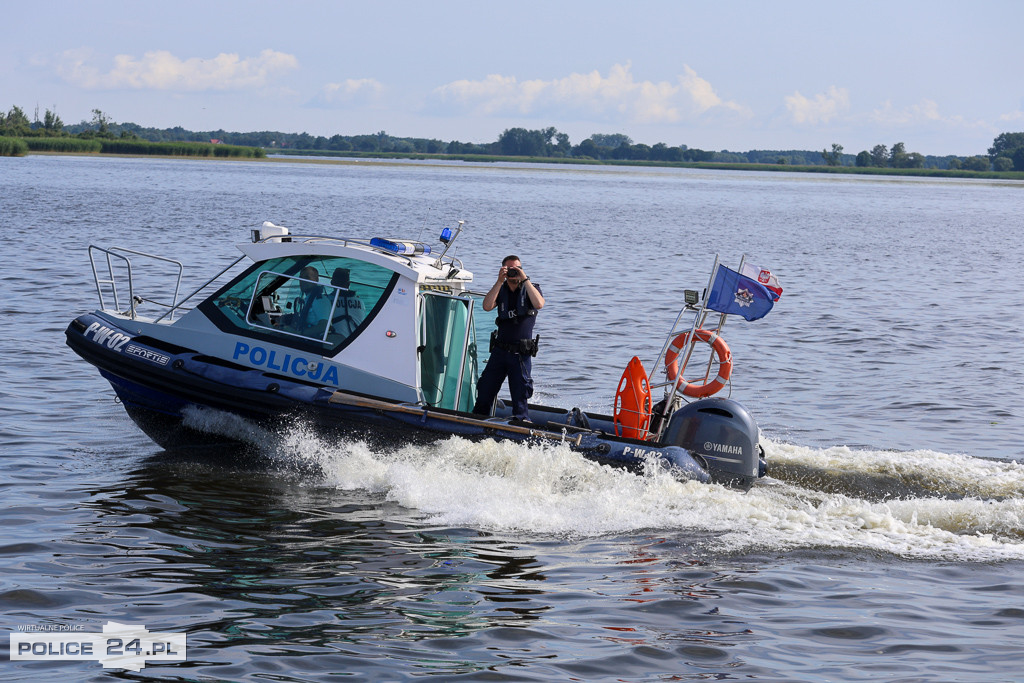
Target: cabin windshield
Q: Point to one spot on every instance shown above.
(303, 300)
(452, 355)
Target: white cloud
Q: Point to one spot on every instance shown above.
(349, 91)
(703, 95)
(617, 95)
(161, 70)
(924, 112)
(822, 109)
(1013, 116)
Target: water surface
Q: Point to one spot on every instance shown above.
(886, 545)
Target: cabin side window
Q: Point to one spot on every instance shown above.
(304, 300)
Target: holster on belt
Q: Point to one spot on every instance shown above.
(522, 347)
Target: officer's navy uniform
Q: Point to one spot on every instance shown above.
(512, 351)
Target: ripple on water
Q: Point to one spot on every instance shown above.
(883, 546)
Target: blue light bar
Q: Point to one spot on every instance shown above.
(404, 248)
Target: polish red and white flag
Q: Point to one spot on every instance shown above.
(764, 276)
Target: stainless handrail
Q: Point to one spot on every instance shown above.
(119, 253)
(175, 305)
(111, 280)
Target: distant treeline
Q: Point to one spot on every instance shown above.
(18, 136)
(515, 142)
(1006, 154)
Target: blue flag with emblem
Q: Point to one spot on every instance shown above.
(739, 295)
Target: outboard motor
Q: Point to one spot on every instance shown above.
(723, 433)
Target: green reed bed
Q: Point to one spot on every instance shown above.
(63, 144)
(12, 147)
(182, 149)
(71, 145)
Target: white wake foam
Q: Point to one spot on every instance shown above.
(549, 489)
(950, 474)
(931, 506)
(226, 424)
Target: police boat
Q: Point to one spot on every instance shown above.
(383, 339)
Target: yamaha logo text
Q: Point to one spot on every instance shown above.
(712, 447)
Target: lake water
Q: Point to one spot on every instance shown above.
(887, 543)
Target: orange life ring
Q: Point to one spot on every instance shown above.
(724, 363)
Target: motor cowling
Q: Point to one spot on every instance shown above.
(723, 433)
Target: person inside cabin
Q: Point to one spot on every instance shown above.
(312, 307)
(349, 312)
(513, 346)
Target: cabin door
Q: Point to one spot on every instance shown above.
(450, 357)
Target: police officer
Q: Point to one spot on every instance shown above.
(312, 306)
(512, 344)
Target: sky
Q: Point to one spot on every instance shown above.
(941, 76)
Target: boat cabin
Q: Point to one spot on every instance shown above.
(378, 317)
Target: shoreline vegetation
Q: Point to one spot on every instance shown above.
(101, 135)
(71, 145)
(275, 154)
(195, 150)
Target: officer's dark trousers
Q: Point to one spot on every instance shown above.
(516, 368)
